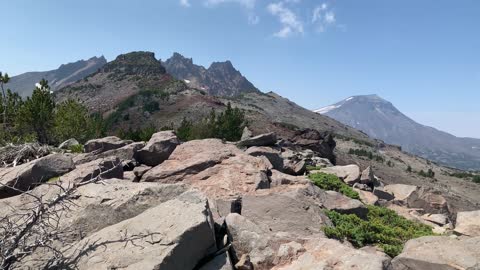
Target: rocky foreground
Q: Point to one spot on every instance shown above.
(209, 204)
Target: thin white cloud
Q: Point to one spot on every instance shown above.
(249, 4)
(289, 20)
(185, 3)
(323, 17)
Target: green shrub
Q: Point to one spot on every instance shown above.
(365, 153)
(476, 179)
(227, 125)
(313, 168)
(137, 135)
(76, 148)
(383, 228)
(332, 182)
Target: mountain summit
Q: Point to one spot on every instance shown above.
(220, 79)
(380, 119)
(65, 75)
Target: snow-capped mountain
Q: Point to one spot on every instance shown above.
(380, 119)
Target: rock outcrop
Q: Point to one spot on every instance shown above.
(468, 223)
(439, 252)
(14, 180)
(104, 144)
(158, 148)
(216, 168)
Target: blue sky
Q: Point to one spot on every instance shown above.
(421, 55)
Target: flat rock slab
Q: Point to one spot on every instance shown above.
(33, 173)
(174, 235)
(468, 223)
(439, 253)
(401, 192)
(350, 174)
(328, 254)
(267, 139)
(104, 144)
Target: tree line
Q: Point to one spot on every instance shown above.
(39, 118)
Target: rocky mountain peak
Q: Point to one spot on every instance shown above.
(140, 63)
(225, 66)
(220, 79)
(177, 58)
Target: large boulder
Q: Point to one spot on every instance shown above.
(68, 144)
(367, 197)
(124, 153)
(321, 143)
(439, 253)
(367, 177)
(431, 201)
(105, 168)
(158, 148)
(333, 200)
(267, 139)
(350, 174)
(26, 176)
(176, 234)
(328, 254)
(271, 154)
(402, 193)
(468, 223)
(220, 170)
(104, 144)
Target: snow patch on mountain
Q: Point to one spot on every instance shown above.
(325, 110)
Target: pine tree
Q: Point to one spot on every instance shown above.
(36, 116)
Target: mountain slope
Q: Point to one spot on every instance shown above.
(58, 78)
(380, 119)
(220, 79)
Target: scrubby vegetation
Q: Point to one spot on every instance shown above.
(383, 227)
(357, 141)
(332, 182)
(137, 135)
(429, 173)
(365, 153)
(466, 175)
(39, 118)
(227, 125)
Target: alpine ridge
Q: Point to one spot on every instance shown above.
(65, 75)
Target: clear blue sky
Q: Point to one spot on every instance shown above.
(421, 55)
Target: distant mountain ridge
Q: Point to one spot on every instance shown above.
(380, 119)
(220, 79)
(65, 75)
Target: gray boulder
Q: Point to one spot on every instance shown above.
(439, 253)
(68, 143)
(468, 223)
(268, 139)
(382, 194)
(175, 235)
(328, 254)
(367, 176)
(106, 168)
(104, 144)
(29, 175)
(350, 174)
(402, 193)
(271, 154)
(158, 148)
(125, 153)
(340, 203)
